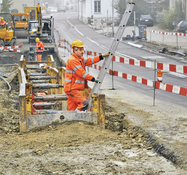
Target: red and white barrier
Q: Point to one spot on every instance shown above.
(11, 48)
(167, 33)
(142, 63)
(158, 85)
(148, 64)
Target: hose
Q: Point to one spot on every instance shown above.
(6, 83)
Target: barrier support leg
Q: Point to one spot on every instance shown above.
(98, 104)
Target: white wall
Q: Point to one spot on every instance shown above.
(86, 10)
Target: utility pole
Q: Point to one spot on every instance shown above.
(1, 1)
(113, 18)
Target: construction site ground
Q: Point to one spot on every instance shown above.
(138, 139)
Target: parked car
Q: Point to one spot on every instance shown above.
(62, 8)
(146, 20)
(182, 27)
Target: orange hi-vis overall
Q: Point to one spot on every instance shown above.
(75, 81)
(39, 52)
(2, 23)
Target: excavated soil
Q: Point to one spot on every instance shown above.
(77, 147)
(123, 147)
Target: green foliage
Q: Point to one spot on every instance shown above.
(5, 7)
(169, 19)
(141, 8)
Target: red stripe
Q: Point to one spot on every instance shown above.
(122, 60)
(157, 85)
(142, 63)
(95, 54)
(185, 69)
(144, 81)
(95, 66)
(124, 75)
(169, 87)
(110, 71)
(131, 61)
(116, 73)
(172, 67)
(113, 58)
(134, 78)
(183, 91)
(160, 66)
(99, 67)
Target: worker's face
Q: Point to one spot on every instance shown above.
(79, 52)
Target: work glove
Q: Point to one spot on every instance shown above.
(106, 54)
(39, 48)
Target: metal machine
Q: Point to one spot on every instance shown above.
(43, 28)
(7, 32)
(21, 24)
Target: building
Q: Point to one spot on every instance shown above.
(96, 9)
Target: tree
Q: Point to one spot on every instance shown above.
(170, 18)
(5, 7)
(142, 7)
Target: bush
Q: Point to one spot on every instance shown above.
(169, 19)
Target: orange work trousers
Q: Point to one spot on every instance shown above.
(39, 57)
(76, 101)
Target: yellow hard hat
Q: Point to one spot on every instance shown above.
(37, 39)
(2, 18)
(77, 43)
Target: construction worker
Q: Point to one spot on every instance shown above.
(76, 77)
(2, 22)
(39, 49)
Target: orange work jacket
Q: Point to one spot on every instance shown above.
(2, 22)
(75, 74)
(39, 44)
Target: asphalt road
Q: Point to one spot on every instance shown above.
(69, 33)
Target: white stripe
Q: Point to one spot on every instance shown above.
(137, 63)
(165, 67)
(127, 60)
(176, 89)
(149, 83)
(139, 80)
(179, 69)
(107, 71)
(148, 64)
(120, 74)
(129, 77)
(117, 58)
(162, 86)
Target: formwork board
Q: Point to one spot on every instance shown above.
(34, 121)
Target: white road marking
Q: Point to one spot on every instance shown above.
(153, 57)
